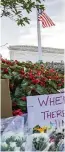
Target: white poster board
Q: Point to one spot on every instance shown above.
(45, 110)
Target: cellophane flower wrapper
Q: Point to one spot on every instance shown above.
(51, 141)
(4, 123)
(12, 138)
(13, 124)
(57, 140)
(37, 142)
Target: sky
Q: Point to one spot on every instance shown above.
(50, 37)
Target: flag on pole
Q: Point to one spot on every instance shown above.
(45, 19)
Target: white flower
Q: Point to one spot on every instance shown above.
(38, 135)
(7, 135)
(24, 144)
(19, 136)
(12, 144)
(17, 149)
(4, 144)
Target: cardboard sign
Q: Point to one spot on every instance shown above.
(6, 104)
(45, 110)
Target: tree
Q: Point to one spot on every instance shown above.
(14, 9)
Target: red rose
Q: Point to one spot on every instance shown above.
(6, 70)
(46, 72)
(17, 112)
(21, 71)
(23, 98)
(43, 79)
(42, 84)
(56, 77)
(39, 73)
(8, 62)
(16, 62)
(20, 113)
(59, 84)
(11, 63)
(3, 60)
(35, 81)
(31, 76)
(63, 80)
(49, 77)
(51, 70)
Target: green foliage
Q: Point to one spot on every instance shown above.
(6, 76)
(41, 90)
(14, 9)
(18, 91)
(52, 84)
(24, 84)
(13, 143)
(22, 105)
(28, 79)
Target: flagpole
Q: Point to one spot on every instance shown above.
(39, 39)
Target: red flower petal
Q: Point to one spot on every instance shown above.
(23, 98)
(5, 70)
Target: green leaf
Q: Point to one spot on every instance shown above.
(41, 90)
(15, 9)
(6, 76)
(54, 91)
(54, 85)
(22, 105)
(18, 92)
(24, 83)
(16, 75)
(32, 86)
(29, 93)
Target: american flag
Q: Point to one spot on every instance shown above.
(45, 19)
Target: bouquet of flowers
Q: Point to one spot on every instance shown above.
(40, 141)
(46, 141)
(13, 142)
(37, 142)
(12, 137)
(16, 138)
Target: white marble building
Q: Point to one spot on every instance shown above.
(30, 53)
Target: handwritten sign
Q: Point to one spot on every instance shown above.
(46, 109)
